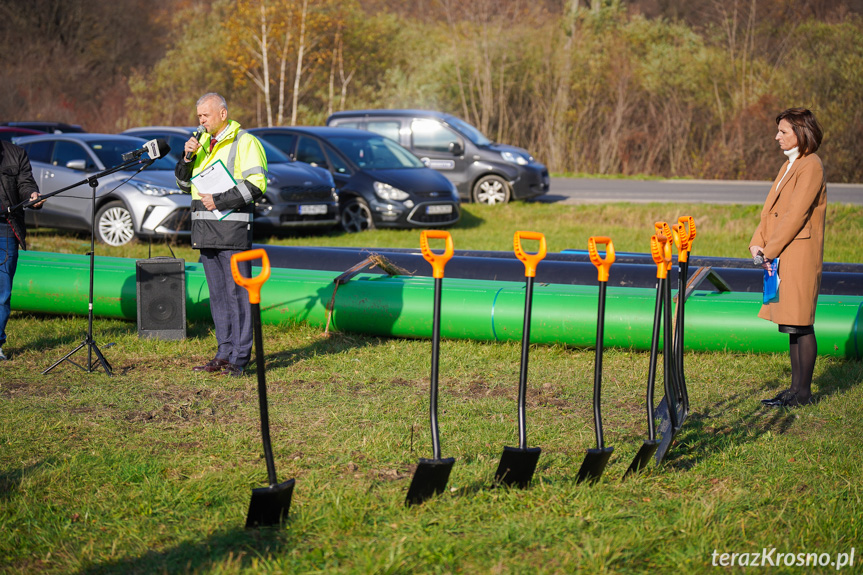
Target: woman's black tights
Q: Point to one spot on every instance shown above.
(804, 349)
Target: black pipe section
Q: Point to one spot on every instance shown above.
(557, 268)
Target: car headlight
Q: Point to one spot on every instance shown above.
(388, 192)
(514, 158)
(158, 191)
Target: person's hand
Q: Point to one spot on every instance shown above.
(35, 196)
(192, 144)
(754, 250)
(207, 200)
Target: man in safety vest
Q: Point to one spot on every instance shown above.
(222, 219)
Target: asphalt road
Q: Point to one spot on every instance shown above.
(592, 191)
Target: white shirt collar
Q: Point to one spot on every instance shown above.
(792, 154)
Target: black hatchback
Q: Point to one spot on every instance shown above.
(380, 183)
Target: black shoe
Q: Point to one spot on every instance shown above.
(796, 400)
(212, 366)
(780, 397)
(233, 370)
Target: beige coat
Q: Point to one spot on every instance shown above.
(792, 229)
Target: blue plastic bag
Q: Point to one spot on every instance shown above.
(771, 283)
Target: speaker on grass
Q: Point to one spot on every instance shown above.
(161, 287)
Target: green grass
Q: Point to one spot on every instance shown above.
(151, 471)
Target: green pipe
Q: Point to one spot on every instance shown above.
(470, 309)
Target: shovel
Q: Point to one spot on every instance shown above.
(269, 505)
(661, 252)
(431, 475)
(596, 459)
(670, 426)
(684, 235)
(517, 464)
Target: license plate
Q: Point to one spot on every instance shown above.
(434, 210)
(313, 209)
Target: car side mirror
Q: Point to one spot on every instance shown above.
(80, 165)
(456, 149)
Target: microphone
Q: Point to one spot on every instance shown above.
(198, 133)
(154, 148)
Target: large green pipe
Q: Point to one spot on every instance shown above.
(471, 309)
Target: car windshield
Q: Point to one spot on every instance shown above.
(110, 153)
(376, 153)
(469, 131)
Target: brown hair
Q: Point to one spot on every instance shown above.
(806, 128)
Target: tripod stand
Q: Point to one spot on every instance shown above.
(89, 342)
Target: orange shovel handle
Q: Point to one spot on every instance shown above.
(660, 249)
(253, 285)
(603, 265)
(688, 222)
(437, 261)
(681, 240)
(530, 260)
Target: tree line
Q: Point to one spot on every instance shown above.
(669, 88)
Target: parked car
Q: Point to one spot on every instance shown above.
(298, 195)
(147, 204)
(381, 184)
(9, 134)
(46, 127)
(482, 171)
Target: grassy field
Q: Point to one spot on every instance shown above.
(151, 471)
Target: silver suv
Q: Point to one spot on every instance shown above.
(148, 204)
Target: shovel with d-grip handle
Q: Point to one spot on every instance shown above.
(431, 475)
(671, 424)
(517, 464)
(269, 505)
(661, 252)
(684, 235)
(596, 459)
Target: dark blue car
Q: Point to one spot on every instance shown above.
(380, 183)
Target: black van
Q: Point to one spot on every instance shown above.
(481, 170)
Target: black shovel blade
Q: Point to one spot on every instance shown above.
(270, 505)
(668, 435)
(429, 479)
(662, 413)
(516, 466)
(642, 458)
(594, 464)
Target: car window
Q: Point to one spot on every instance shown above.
(40, 151)
(65, 152)
(274, 154)
(346, 124)
(338, 164)
(388, 128)
(472, 133)
(432, 136)
(110, 153)
(310, 152)
(284, 142)
(376, 153)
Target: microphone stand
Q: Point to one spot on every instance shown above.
(89, 342)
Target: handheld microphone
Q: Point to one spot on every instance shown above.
(198, 133)
(154, 148)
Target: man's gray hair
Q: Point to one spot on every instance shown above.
(213, 96)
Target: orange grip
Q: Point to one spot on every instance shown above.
(438, 261)
(253, 285)
(664, 229)
(530, 260)
(660, 249)
(603, 265)
(681, 240)
(689, 223)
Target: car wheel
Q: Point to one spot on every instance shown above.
(491, 190)
(356, 216)
(114, 224)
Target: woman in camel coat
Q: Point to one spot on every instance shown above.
(792, 229)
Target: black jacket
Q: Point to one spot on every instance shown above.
(16, 185)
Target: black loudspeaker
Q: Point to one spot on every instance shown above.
(161, 285)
